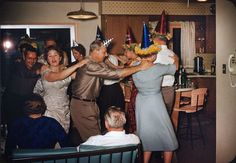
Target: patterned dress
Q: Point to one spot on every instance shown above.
(154, 126)
(131, 109)
(56, 99)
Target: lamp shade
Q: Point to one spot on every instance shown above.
(81, 15)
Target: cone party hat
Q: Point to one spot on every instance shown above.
(161, 28)
(147, 47)
(130, 41)
(99, 35)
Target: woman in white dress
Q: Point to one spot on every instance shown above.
(53, 85)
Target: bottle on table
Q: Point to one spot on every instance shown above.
(184, 78)
(180, 76)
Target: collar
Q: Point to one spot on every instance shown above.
(116, 132)
(163, 47)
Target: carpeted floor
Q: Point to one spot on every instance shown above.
(200, 153)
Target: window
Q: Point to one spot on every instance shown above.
(11, 35)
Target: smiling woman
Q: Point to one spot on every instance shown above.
(53, 56)
(54, 93)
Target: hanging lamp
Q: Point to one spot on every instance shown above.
(81, 14)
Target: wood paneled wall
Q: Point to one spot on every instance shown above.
(115, 26)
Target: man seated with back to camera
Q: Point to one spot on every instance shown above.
(35, 131)
(115, 136)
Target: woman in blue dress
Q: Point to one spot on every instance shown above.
(153, 123)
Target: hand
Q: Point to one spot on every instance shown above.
(38, 72)
(120, 66)
(145, 64)
(83, 62)
(123, 59)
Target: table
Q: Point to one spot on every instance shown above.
(180, 92)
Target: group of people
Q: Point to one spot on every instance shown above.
(50, 112)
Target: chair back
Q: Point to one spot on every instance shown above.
(92, 154)
(198, 97)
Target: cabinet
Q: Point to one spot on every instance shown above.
(200, 35)
(206, 34)
(210, 34)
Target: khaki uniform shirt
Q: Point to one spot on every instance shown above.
(89, 79)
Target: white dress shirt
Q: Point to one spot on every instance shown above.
(163, 57)
(112, 138)
(114, 61)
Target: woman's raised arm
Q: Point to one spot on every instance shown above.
(55, 76)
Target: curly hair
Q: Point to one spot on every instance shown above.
(57, 49)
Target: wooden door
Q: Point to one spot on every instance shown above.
(115, 26)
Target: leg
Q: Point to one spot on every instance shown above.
(74, 136)
(85, 117)
(103, 104)
(168, 156)
(175, 114)
(146, 156)
(131, 110)
(168, 94)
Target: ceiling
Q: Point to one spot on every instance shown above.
(177, 1)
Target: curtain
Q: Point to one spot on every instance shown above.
(188, 49)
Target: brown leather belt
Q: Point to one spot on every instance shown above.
(81, 99)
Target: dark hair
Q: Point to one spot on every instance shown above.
(50, 39)
(24, 46)
(34, 105)
(162, 38)
(60, 52)
(30, 49)
(80, 48)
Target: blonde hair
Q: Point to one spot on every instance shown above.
(115, 117)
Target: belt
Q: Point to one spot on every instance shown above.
(81, 99)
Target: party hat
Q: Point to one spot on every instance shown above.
(28, 40)
(147, 47)
(161, 28)
(145, 39)
(107, 42)
(130, 41)
(75, 43)
(99, 35)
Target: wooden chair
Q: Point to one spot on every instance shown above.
(198, 100)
